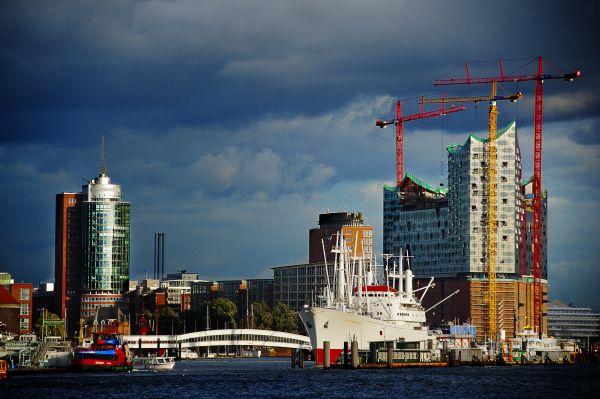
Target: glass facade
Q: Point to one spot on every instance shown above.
(299, 285)
(528, 206)
(416, 220)
(573, 322)
(106, 246)
(445, 230)
(468, 204)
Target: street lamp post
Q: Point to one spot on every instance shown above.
(43, 312)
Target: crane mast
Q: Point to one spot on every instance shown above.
(539, 78)
(492, 225)
(492, 222)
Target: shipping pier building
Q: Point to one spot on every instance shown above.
(444, 230)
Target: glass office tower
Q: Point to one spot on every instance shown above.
(106, 245)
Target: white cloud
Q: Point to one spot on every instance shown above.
(569, 104)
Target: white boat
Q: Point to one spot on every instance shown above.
(533, 348)
(361, 310)
(154, 363)
(188, 354)
(250, 353)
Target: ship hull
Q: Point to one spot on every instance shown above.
(89, 360)
(337, 327)
(106, 352)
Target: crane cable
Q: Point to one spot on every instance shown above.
(442, 156)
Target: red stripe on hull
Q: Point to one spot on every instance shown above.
(333, 355)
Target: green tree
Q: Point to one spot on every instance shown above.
(285, 319)
(197, 317)
(169, 321)
(223, 314)
(263, 319)
(49, 323)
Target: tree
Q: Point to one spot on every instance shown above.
(51, 324)
(223, 313)
(168, 321)
(285, 319)
(197, 317)
(263, 319)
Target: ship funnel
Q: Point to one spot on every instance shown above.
(408, 283)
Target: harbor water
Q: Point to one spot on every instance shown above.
(273, 377)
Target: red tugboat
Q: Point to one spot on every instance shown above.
(106, 352)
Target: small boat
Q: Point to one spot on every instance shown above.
(188, 354)
(250, 353)
(154, 363)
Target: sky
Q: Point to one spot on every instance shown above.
(231, 125)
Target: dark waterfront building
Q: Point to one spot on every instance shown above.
(261, 290)
(571, 322)
(299, 285)
(43, 298)
(241, 292)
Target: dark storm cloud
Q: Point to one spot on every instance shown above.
(226, 63)
(587, 135)
(231, 125)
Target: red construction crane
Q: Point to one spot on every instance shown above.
(539, 78)
(399, 122)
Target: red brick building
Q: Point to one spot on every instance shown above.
(67, 264)
(23, 294)
(9, 311)
(514, 300)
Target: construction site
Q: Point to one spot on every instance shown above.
(485, 233)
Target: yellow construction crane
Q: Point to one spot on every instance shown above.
(492, 225)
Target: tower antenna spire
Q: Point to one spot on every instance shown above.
(102, 167)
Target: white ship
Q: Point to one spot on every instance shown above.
(361, 310)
